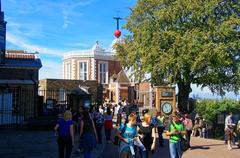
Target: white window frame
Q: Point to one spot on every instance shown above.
(100, 73)
(67, 70)
(83, 61)
(61, 94)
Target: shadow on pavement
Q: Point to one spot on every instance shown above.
(215, 145)
(199, 147)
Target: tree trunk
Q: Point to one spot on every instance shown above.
(184, 89)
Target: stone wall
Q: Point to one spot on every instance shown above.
(68, 85)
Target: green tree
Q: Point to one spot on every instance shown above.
(210, 109)
(184, 42)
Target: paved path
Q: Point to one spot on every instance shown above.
(208, 148)
(34, 144)
(201, 148)
(42, 144)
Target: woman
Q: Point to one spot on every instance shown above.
(160, 128)
(127, 133)
(188, 125)
(108, 125)
(147, 134)
(88, 135)
(64, 129)
(176, 131)
(99, 120)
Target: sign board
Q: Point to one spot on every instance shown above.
(167, 94)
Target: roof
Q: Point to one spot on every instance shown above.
(17, 81)
(26, 63)
(114, 76)
(122, 77)
(81, 91)
(96, 52)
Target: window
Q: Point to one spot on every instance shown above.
(61, 96)
(83, 71)
(67, 71)
(103, 72)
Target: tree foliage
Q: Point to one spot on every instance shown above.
(210, 109)
(185, 42)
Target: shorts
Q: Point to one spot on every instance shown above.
(229, 134)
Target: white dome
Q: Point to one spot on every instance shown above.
(97, 48)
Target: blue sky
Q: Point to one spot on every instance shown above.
(54, 27)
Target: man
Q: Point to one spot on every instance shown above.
(119, 114)
(229, 130)
(176, 131)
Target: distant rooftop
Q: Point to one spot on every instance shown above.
(20, 54)
(95, 51)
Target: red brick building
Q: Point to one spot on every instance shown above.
(94, 64)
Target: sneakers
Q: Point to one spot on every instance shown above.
(229, 147)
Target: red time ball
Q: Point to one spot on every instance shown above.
(117, 33)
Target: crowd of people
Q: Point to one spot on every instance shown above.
(137, 135)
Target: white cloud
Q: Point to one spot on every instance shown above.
(51, 69)
(22, 43)
(68, 11)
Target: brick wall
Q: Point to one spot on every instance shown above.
(56, 84)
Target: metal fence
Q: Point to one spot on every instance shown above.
(17, 106)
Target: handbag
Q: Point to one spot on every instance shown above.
(116, 138)
(184, 144)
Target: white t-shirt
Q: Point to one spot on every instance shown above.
(228, 121)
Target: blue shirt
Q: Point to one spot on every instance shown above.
(154, 121)
(130, 132)
(64, 127)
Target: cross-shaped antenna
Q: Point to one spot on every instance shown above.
(117, 18)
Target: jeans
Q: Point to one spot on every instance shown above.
(64, 142)
(99, 132)
(108, 134)
(87, 153)
(143, 154)
(160, 132)
(175, 150)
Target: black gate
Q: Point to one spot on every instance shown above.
(17, 106)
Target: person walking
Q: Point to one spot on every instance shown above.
(119, 114)
(147, 134)
(160, 128)
(64, 130)
(229, 130)
(188, 126)
(238, 132)
(88, 135)
(99, 118)
(176, 131)
(80, 110)
(127, 133)
(205, 129)
(108, 125)
(196, 127)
